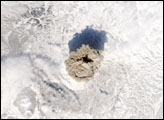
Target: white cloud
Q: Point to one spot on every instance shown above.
(15, 75)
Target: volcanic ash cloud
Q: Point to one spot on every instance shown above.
(83, 63)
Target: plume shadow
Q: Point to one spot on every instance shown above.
(94, 38)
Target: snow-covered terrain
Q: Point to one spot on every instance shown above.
(34, 46)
